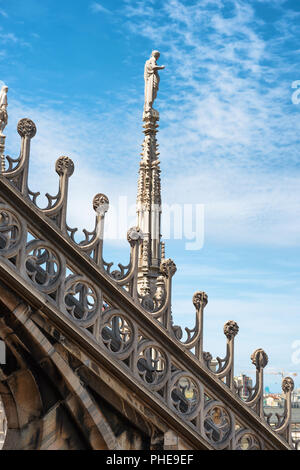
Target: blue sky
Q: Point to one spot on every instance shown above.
(229, 139)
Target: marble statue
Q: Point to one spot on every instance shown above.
(151, 79)
(3, 108)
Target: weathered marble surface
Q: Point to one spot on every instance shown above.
(151, 77)
(2, 425)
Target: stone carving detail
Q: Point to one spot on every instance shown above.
(200, 300)
(231, 329)
(259, 358)
(168, 268)
(81, 300)
(3, 124)
(64, 165)
(207, 357)
(217, 424)
(134, 234)
(117, 333)
(152, 79)
(185, 395)
(145, 251)
(43, 266)
(3, 109)
(101, 203)
(152, 365)
(10, 232)
(26, 128)
(163, 250)
(247, 441)
(287, 385)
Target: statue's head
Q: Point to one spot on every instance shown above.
(4, 88)
(156, 54)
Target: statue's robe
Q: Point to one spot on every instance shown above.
(3, 98)
(151, 82)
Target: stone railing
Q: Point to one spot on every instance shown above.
(38, 247)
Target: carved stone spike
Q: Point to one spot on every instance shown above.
(168, 268)
(200, 299)
(64, 165)
(26, 127)
(231, 329)
(134, 234)
(259, 358)
(287, 385)
(101, 203)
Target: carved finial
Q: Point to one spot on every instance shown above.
(101, 203)
(168, 268)
(200, 300)
(259, 358)
(231, 329)
(151, 80)
(64, 165)
(287, 385)
(26, 128)
(134, 234)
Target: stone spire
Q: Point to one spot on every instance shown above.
(3, 123)
(149, 189)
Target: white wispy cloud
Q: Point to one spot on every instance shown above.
(216, 68)
(231, 133)
(96, 7)
(8, 37)
(228, 118)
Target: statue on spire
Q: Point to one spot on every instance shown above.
(149, 189)
(3, 108)
(151, 80)
(3, 123)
